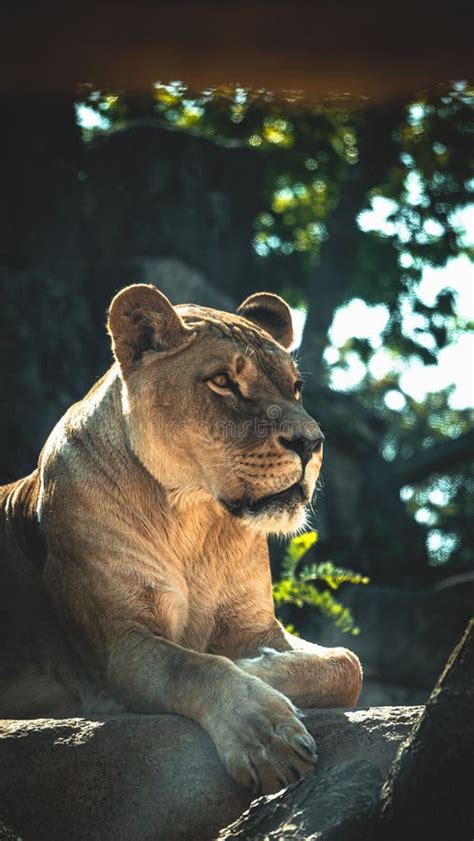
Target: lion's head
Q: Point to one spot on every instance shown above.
(212, 402)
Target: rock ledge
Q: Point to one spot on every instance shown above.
(139, 778)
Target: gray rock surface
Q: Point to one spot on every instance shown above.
(335, 806)
(138, 778)
(182, 283)
(429, 792)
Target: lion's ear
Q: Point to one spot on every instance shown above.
(271, 313)
(141, 318)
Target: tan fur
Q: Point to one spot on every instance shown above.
(135, 570)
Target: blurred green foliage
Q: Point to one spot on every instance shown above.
(297, 585)
(302, 184)
(307, 149)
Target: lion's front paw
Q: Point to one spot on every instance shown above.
(260, 740)
(312, 677)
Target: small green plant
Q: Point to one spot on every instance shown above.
(297, 585)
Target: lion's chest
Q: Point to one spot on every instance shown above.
(202, 592)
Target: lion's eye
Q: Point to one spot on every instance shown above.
(221, 380)
(298, 388)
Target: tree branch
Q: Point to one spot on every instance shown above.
(333, 277)
(442, 458)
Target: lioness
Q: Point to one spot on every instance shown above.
(134, 571)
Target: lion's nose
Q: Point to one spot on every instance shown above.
(303, 444)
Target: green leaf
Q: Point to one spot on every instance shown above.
(297, 588)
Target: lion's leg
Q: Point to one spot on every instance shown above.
(310, 675)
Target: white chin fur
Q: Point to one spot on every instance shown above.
(282, 524)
